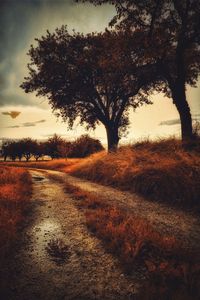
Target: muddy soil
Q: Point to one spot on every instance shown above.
(57, 258)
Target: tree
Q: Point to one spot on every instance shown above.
(64, 148)
(79, 76)
(28, 145)
(38, 150)
(84, 146)
(5, 151)
(11, 149)
(53, 146)
(171, 42)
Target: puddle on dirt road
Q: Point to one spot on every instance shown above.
(48, 243)
(38, 178)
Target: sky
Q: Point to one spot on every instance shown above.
(25, 115)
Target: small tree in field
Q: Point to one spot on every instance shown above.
(5, 151)
(53, 145)
(85, 146)
(28, 145)
(12, 149)
(38, 150)
(80, 77)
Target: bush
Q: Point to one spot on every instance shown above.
(84, 146)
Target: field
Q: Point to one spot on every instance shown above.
(163, 170)
(173, 270)
(15, 191)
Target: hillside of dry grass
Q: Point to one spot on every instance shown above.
(161, 170)
(15, 192)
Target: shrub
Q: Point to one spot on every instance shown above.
(84, 146)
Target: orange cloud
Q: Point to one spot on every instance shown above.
(13, 114)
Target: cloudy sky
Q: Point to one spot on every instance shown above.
(23, 115)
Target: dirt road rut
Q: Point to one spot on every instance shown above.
(57, 258)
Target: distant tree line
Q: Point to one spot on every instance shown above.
(54, 147)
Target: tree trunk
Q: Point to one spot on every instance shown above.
(179, 99)
(112, 138)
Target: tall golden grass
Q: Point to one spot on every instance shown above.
(161, 170)
(15, 191)
(172, 271)
(61, 164)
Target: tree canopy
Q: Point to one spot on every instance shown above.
(84, 77)
(171, 41)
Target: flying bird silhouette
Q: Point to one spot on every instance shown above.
(13, 114)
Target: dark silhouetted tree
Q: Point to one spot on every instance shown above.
(38, 150)
(53, 145)
(171, 41)
(5, 151)
(28, 145)
(11, 149)
(84, 146)
(80, 77)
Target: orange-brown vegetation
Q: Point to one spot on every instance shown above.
(161, 170)
(15, 190)
(171, 270)
(61, 164)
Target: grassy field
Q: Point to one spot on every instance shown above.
(171, 271)
(15, 191)
(161, 170)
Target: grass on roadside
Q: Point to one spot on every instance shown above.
(15, 191)
(161, 170)
(61, 164)
(173, 272)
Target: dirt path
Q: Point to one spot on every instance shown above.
(183, 225)
(58, 258)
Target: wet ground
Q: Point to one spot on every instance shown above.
(57, 258)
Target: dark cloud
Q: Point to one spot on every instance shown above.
(12, 114)
(22, 21)
(195, 117)
(27, 124)
(31, 124)
(14, 126)
(41, 121)
(170, 122)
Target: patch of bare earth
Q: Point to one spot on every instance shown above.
(57, 258)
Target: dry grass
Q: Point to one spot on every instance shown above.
(15, 190)
(161, 170)
(62, 164)
(172, 271)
